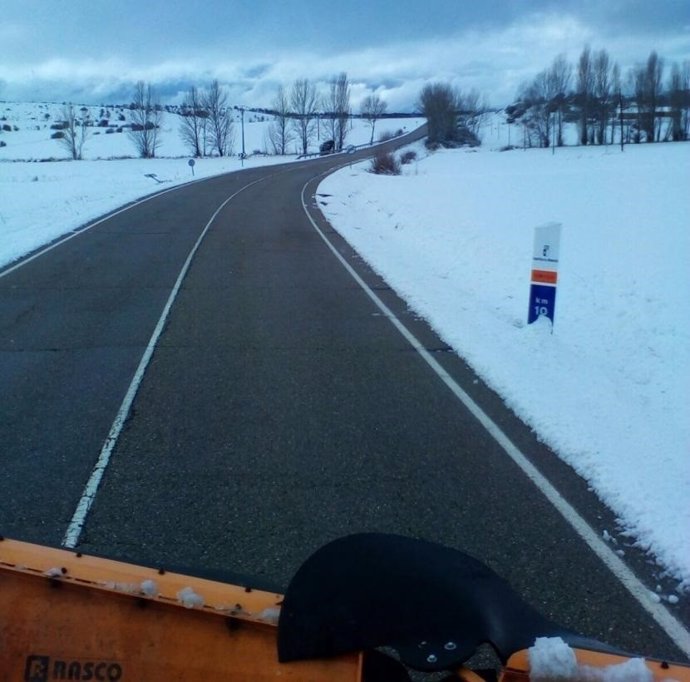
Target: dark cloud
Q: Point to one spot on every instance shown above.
(96, 51)
(257, 71)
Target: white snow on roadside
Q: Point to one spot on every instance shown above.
(43, 200)
(608, 389)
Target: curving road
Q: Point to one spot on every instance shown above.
(251, 401)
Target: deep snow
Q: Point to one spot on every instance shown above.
(608, 389)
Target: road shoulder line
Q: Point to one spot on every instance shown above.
(76, 526)
(663, 617)
(59, 241)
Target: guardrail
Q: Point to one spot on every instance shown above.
(352, 148)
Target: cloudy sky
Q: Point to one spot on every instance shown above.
(92, 51)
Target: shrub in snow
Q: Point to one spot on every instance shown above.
(464, 137)
(384, 137)
(408, 157)
(57, 135)
(385, 163)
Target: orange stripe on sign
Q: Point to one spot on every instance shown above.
(544, 276)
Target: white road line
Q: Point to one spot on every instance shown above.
(665, 619)
(81, 230)
(74, 530)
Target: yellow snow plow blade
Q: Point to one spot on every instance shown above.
(67, 616)
(64, 616)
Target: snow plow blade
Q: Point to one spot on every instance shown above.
(67, 616)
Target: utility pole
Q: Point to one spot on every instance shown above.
(620, 105)
(243, 151)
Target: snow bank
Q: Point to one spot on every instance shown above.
(608, 389)
(42, 201)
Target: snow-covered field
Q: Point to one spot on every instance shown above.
(608, 389)
(41, 200)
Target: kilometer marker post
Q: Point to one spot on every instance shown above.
(542, 294)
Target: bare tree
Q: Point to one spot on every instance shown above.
(439, 104)
(193, 122)
(344, 109)
(685, 88)
(647, 79)
(280, 132)
(373, 108)
(585, 87)
(74, 132)
(303, 103)
(146, 120)
(675, 100)
(472, 110)
(541, 105)
(215, 102)
(654, 80)
(535, 98)
(559, 76)
(679, 101)
(337, 106)
(636, 79)
(602, 93)
(617, 87)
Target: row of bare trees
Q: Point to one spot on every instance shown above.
(300, 114)
(602, 103)
(300, 111)
(206, 124)
(146, 115)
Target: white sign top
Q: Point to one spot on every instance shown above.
(547, 242)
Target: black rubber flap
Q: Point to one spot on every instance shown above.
(433, 604)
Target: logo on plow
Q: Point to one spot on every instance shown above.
(45, 669)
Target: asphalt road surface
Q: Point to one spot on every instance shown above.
(280, 408)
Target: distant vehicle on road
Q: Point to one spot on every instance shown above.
(327, 147)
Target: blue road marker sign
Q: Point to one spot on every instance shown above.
(542, 294)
